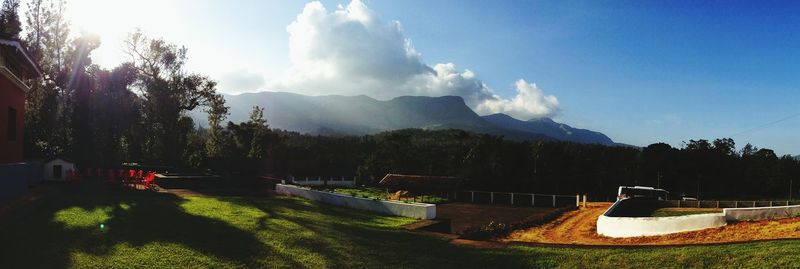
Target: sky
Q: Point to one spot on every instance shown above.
(639, 71)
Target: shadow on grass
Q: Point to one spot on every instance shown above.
(30, 237)
(349, 238)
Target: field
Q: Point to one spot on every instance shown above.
(94, 226)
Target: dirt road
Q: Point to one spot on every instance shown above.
(580, 228)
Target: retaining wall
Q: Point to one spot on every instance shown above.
(646, 226)
(760, 213)
(333, 183)
(413, 210)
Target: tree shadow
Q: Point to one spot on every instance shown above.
(31, 238)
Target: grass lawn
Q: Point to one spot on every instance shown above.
(672, 212)
(151, 230)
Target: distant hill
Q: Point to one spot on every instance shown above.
(797, 157)
(360, 115)
(548, 127)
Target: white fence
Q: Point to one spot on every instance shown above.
(406, 209)
(324, 181)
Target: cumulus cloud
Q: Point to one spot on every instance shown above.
(351, 51)
(530, 100)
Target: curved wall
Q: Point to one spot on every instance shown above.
(646, 226)
(413, 210)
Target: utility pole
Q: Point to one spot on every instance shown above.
(790, 189)
(658, 180)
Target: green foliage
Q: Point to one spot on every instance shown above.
(9, 18)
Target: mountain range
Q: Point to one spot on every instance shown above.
(360, 115)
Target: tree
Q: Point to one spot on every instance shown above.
(258, 145)
(217, 111)
(9, 19)
(168, 92)
(49, 101)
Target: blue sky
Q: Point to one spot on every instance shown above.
(639, 71)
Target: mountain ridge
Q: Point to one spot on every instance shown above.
(362, 115)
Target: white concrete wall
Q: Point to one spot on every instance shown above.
(761, 213)
(65, 166)
(333, 183)
(413, 210)
(646, 226)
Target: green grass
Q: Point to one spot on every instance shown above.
(673, 212)
(149, 230)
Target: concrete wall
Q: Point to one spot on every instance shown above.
(646, 226)
(333, 183)
(13, 181)
(413, 210)
(760, 213)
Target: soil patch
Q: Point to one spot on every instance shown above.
(466, 215)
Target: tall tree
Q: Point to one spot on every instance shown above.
(9, 19)
(217, 111)
(168, 92)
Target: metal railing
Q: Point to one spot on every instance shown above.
(731, 204)
(517, 199)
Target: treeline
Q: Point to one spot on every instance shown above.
(135, 112)
(708, 169)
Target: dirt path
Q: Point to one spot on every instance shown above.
(580, 228)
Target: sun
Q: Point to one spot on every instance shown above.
(113, 20)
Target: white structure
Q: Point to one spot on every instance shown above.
(646, 226)
(406, 209)
(57, 169)
(761, 213)
(319, 181)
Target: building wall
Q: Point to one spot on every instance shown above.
(11, 97)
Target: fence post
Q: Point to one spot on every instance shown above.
(554, 201)
(533, 199)
(472, 196)
(770, 203)
(512, 198)
(577, 200)
(491, 197)
(736, 204)
(754, 203)
(584, 200)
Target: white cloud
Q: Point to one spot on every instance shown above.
(241, 81)
(529, 101)
(351, 51)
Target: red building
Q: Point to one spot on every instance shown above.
(16, 68)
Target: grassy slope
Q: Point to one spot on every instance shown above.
(159, 230)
